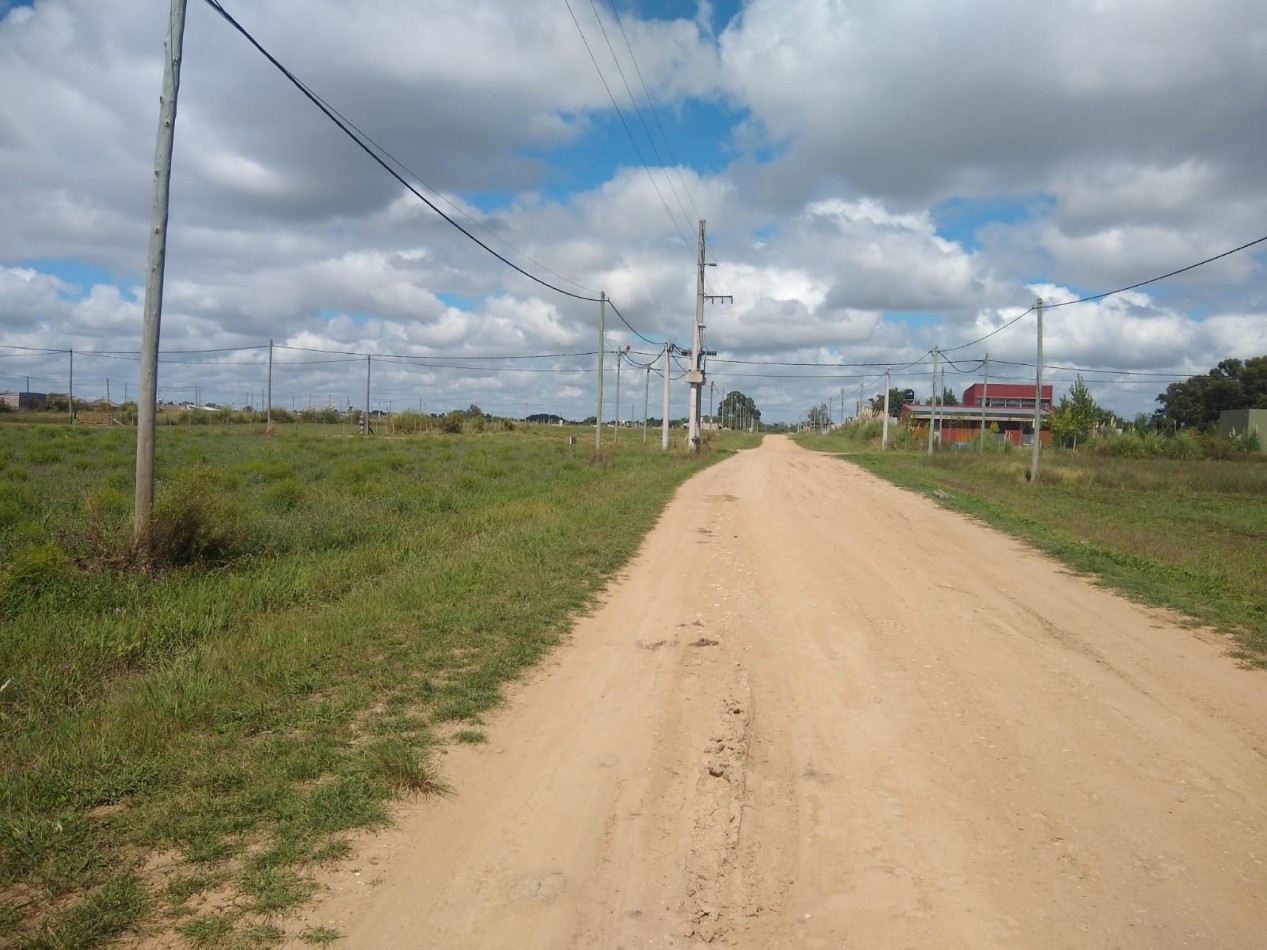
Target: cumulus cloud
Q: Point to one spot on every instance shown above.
(820, 138)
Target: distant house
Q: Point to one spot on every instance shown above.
(1008, 411)
(1234, 422)
(38, 401)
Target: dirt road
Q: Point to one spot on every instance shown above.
(818, 711)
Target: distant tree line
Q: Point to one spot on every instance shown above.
(1197, 402)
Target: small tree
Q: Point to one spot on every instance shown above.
(1076, 416)
(897, 399)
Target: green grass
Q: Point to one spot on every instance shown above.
(1189, 535)
(317, 607)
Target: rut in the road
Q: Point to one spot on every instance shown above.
(715, 875)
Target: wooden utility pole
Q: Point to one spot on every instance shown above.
(147, 392)
(1038, 399)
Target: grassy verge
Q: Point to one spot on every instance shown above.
(1186, 535)
(180, 747)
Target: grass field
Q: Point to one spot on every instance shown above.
(183, 743)
(1190, 535)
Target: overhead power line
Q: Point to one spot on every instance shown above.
(630, 325)
(361, 141)
(621, 115)
(1153, 280)
(1110, 293)
(634, 99)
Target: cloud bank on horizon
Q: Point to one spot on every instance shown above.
(878, 178)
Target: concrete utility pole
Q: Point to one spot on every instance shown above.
(602, 345)
(664, 420)
(646, 405)
(1038, 399)
(70, 387)
(884, 433)
(366, 430)
(616, 422)
(268, 416)
(985, 399)
(695, 375)
(932, 407)
(147, 392)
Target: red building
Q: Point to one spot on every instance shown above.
(1005, 395)
(1005, 410)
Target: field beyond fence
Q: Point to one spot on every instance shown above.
(184, 741)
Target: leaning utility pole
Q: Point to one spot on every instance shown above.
(1038, 399)
(147, 393)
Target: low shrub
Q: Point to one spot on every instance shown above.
(195, 522)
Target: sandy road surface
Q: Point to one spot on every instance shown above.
(818, 711)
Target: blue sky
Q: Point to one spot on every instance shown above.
(877, 178)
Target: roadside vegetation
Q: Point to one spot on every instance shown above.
(1172, 520)
(185, 740)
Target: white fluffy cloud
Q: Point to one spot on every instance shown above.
(1103, 142)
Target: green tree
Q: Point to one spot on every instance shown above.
(897, 400)
(1076, 416)
(1197, 402)
(738, 411)
(819, 417)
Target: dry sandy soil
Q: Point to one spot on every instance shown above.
(818, 711)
